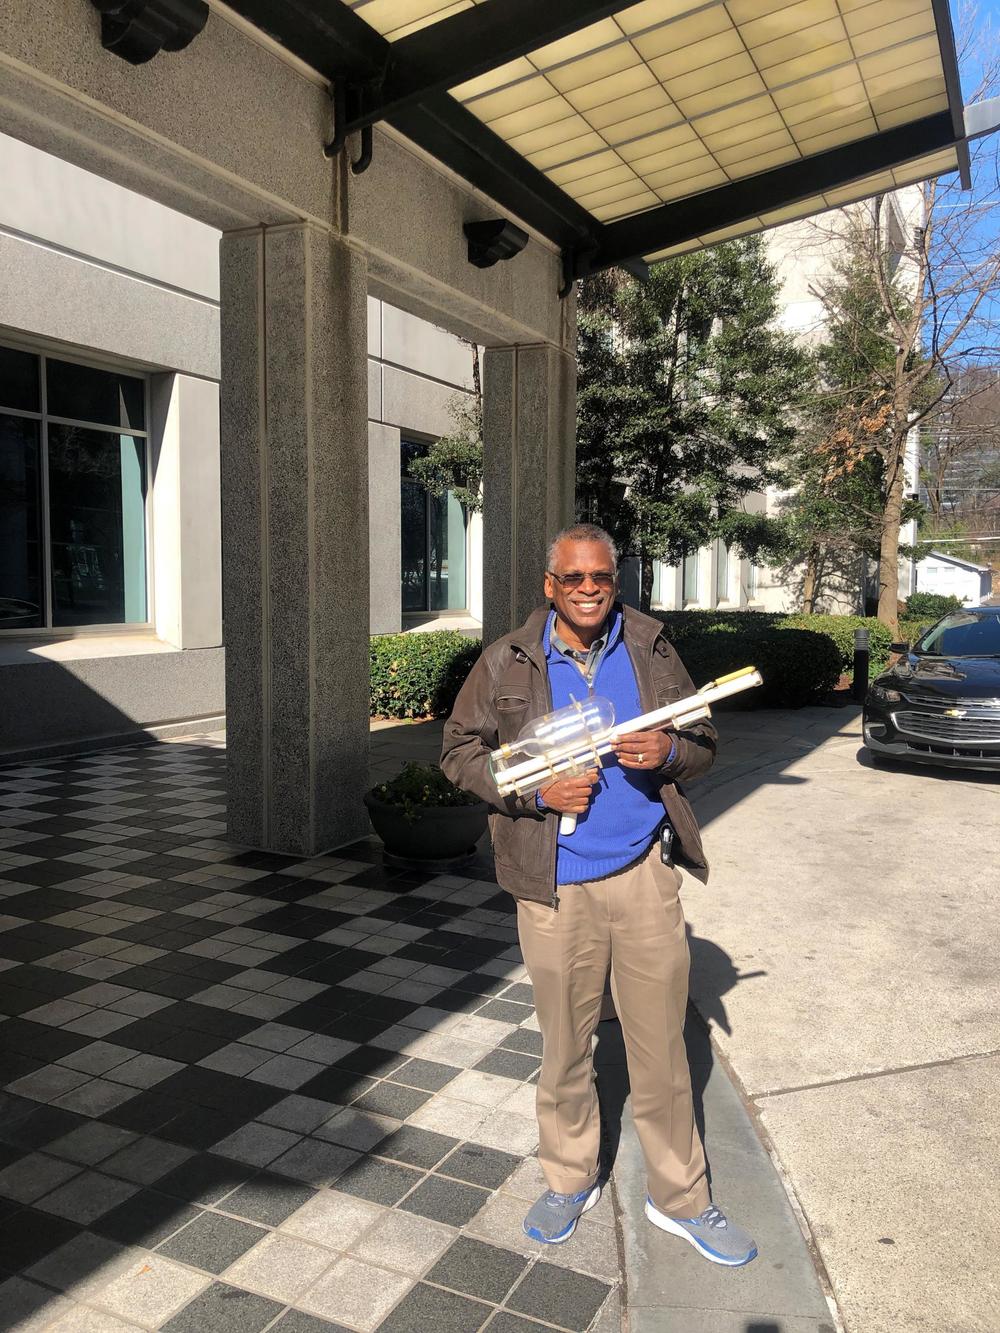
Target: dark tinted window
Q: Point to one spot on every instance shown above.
(20, 525)
(102, 396)
(19, 380)
(964, 635)
(97, 489)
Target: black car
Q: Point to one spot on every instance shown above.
(940, 703)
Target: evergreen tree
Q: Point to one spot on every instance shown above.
(685, 404)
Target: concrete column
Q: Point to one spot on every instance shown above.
(295, 536)
(529, 485)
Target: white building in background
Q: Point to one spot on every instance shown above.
(949, 576)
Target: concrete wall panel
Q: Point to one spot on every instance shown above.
(415, 403)
(69, 702)
(55, 295)
(416, 345)
(384, 528)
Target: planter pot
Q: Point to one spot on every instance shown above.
(440, 836)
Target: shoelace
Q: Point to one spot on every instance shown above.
(713, 1217)
(553, 1200)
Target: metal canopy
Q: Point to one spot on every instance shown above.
(647, 128)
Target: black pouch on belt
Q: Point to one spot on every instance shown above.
(666, 844)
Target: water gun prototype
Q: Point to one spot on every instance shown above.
(571, 740)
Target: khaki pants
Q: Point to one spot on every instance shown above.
(632, 920)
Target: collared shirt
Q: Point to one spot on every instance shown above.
(588, 661)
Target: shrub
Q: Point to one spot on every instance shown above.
(840, 629)
(931, 606)
(798, 666)
(419, 675)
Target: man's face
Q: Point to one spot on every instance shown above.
(584, 608)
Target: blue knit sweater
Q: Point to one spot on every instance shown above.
(625, 810)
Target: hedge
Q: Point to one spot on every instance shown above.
(799, 666)
(930, 606)
(840, 629)
(419, 675)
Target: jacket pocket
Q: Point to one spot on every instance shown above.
(511, 712)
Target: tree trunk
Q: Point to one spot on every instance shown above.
(810, 582)
(645, 583)
(888, 560)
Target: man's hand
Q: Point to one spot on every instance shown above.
(570, 796)
(643, 749)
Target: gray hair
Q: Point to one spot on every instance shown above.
(582, 532)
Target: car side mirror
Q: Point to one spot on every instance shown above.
(899, 647)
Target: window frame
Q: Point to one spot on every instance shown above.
(95, 361)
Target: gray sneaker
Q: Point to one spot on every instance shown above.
(711, 1234)
(554, 1217)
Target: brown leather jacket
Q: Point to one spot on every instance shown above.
(507, 687)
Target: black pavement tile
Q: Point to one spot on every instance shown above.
(146, 1113)
(416, 1147)
(378, 1182)
(201, 1126)
(387, 1007)
(481, 983)
(297, 1321)
(522, 992)
(523, 1040)
(217, 1022)
(336, 1085)
(39, 1040)
(426, 1074)
(457, 1002)
(27, 1236)
(268, 1199)
(510, 1064)
(393, 1100)
(224, 1309)
(559, 1296)
(212, 1242)
(445, 1201)
(145, 1034)
(370, 1060)
(14, 1001)
(204, 1179)
(477, 1165)
(477, 1269)
(505, 1322)
(505, 1011)
(190, 1046)
(425, 1308)
(14, 1066)
(41, 1127)
(146, 1219)
(48, 980)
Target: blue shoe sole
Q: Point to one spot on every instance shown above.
(674, 1228)
(565, 1234)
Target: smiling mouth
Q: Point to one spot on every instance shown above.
(591, 605)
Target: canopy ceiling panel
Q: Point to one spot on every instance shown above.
(653, 127)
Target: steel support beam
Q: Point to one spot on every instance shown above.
(472, 42)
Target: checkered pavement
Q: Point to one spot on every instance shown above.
(243, 1092)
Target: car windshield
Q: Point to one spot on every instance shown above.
(963, 635)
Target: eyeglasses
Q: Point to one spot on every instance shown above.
(603, 579)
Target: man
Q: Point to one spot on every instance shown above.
(602, 895)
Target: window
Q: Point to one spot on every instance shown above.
(691, 577)
(721, 572)
(73, 478)
(753, 576)
(432, 542)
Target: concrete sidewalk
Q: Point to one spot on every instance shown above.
(844, 955)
